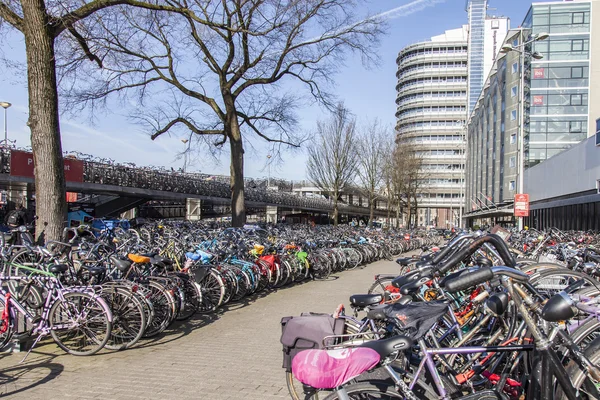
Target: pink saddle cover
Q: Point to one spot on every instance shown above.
(329, 369)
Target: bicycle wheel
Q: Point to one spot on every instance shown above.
(551, 282)
(129, 318)
(581, 380)
(80, 323)
(369, 390)
(213, 292)
(164, 309)
(191, 301)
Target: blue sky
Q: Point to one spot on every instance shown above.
(368, 93)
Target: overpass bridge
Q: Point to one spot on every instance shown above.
(113, 188)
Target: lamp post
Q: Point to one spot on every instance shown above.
(184, 141)
(463, 137)
(5, 105)
(268, 171)
(521, 152)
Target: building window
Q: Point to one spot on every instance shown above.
(576, 100)
(575, 126)
(598, 132)
(577, 72)
(513, 115)
(511, 186)
(578, 18)
(514, 90)
(577, 45)
(512, 162)
(513, 138)
(515, 68)
(515, 42)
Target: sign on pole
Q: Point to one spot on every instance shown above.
(521, 205)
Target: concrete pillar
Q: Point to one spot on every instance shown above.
(271, 214)
(193, 209)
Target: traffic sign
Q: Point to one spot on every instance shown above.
(521, 207)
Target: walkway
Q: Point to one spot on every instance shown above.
(233, 355)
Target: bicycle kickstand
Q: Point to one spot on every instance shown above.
(35, 342)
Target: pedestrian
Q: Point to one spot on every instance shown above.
(16, 217)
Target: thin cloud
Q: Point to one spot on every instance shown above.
(408, 9)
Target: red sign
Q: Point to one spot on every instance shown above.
(406, 236)
(538, 100)
(21, 164)
(71, 197)
(521, 205)
(538, 73)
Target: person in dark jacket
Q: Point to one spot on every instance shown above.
(16, 217)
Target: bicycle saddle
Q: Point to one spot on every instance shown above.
(122, 265)
(385, 347)
(58, 268)
(404, 261)
(329, 369)
(365, 300)
(96, 271)
(157, 259)
(138, 258)
(414, 286)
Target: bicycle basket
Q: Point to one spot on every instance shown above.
(306, 332)
(415, 319)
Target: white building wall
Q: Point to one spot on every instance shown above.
(495, 32)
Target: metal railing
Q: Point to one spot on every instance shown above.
(108, 172)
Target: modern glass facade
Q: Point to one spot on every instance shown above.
(557, 86)
(477, 10)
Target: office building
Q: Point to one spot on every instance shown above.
(485, 34)
(553, 110)
(431, 110)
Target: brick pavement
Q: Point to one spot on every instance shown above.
(234, 354)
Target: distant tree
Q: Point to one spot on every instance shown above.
(371, 157)
(332, 155)
(407, 179)
(216, 68)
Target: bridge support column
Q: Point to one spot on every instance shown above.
(193, 209)
(271, 214)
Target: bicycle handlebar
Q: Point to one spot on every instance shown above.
(473, 247)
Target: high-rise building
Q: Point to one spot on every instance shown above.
(476, 10)
(543, 94)
(431, 111)
(485, 34)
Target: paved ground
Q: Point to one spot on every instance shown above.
(235, 354)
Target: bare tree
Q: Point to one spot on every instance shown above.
(371, 151)
(332, 157)
(227, 60)
(41, 23)
(407, 179)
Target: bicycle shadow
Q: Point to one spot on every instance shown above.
(27, 376)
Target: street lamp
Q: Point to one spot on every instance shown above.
(5, 105)
(538, 56)
(184, 141)
(268, 171)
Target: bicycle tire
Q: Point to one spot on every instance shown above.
(69, 309)
(129, 318)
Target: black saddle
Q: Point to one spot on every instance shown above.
(122, 265)
(404, 261)
(365, 300)
(385, 347)
(96, 271)
(58, 268)
(160, 260)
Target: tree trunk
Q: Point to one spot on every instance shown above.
(371, 210)
(44, 122)
(238, 207)
(335, 210)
